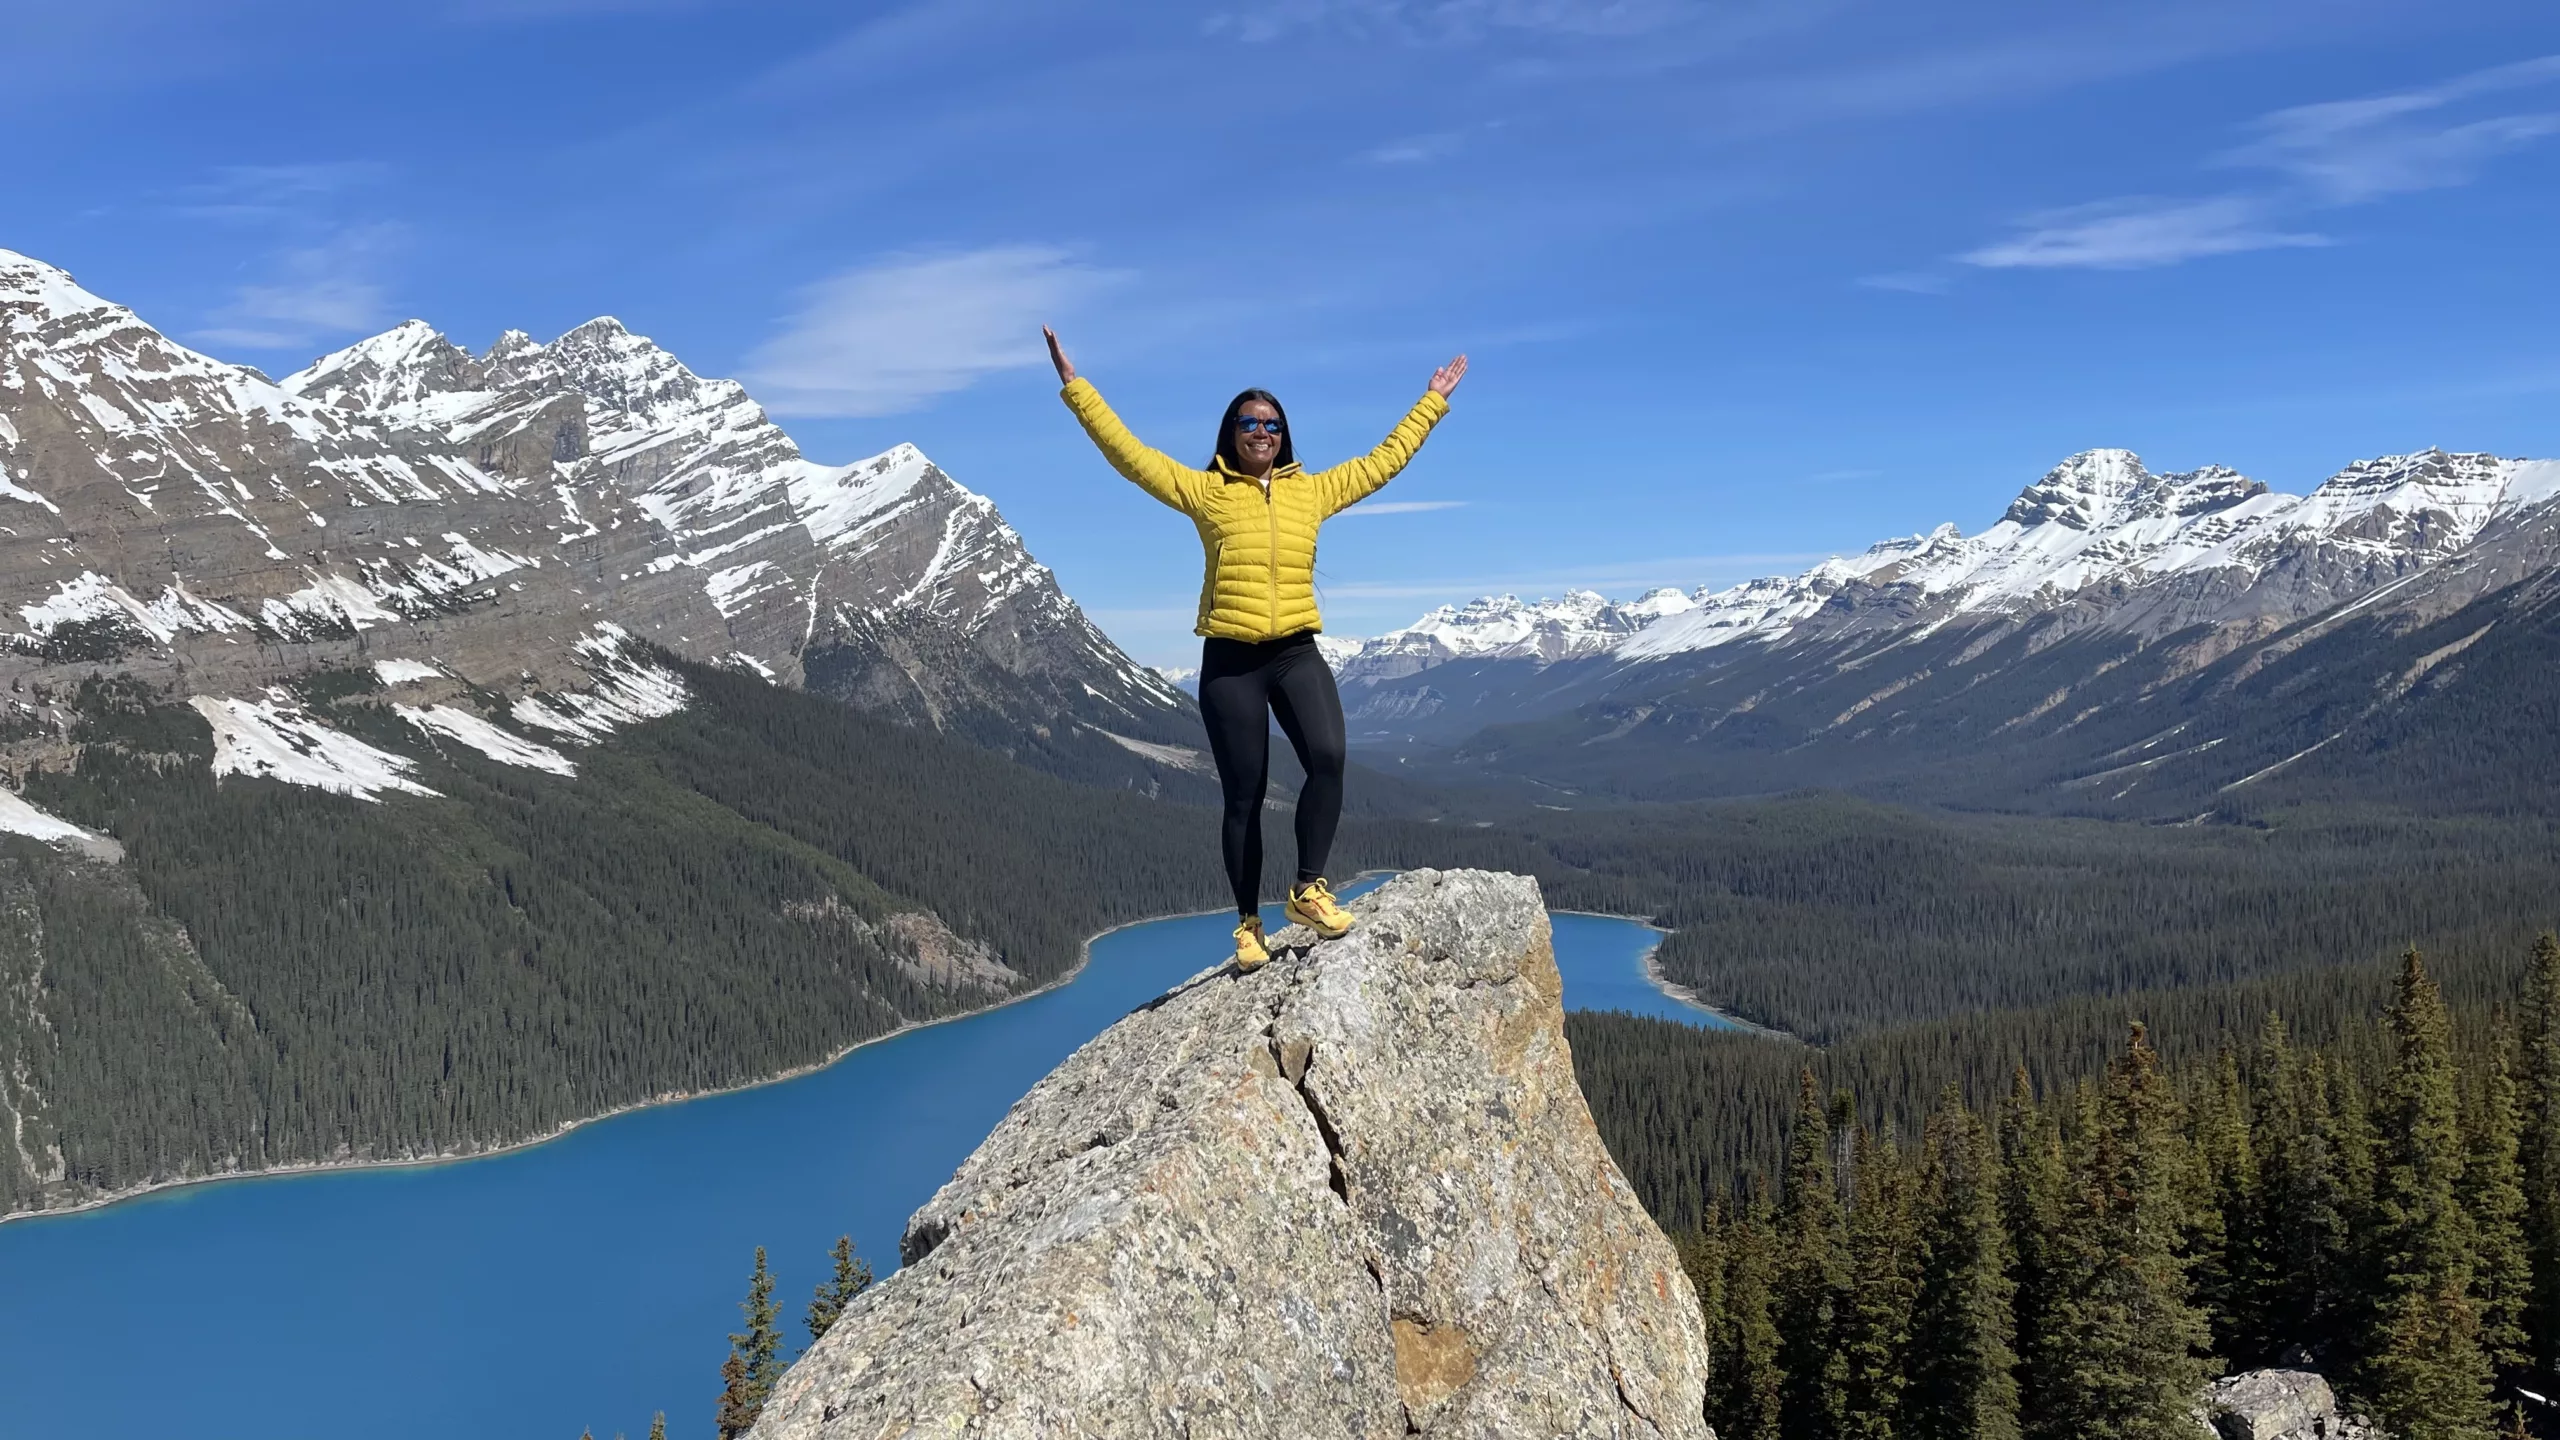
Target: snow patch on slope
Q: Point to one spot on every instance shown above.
(499, 745)
(629, 690)
(17, 817)
(277, 739)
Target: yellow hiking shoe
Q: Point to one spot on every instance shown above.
(1313, 906)
(1250, 954)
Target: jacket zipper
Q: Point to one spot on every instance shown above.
(1271, 513)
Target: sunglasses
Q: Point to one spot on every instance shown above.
(1247, 424)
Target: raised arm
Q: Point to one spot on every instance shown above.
(1151, 470)
(1351, 481)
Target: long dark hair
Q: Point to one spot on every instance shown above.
(1227, 432)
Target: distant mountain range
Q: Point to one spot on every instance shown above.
(502, 535)
(2108, 615)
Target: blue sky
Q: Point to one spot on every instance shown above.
(1744, 283)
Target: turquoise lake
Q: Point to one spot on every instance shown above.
(580, 1284)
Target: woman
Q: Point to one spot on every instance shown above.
(1257, 514)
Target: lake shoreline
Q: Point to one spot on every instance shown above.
(669, 1099)
(666, 1100)
(1668, 986)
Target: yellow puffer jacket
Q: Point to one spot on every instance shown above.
(1258, 544)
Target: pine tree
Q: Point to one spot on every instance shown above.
(658, 1426)
(2359, 1159)
(2493, 1193)
(2540, 1136)
(2223, 1201)
(2301, 1223)
(755, 1357)
(2429, 1371)
(1745, 1385)
(1883, 1286)
(2032, 1182)
(2134, 1337)
(1811, 1271)
(1702, 1259)
(738, 1409)
(1963, 1366)
(852, 1276)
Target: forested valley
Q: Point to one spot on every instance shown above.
(2075, 1246)
(276, 975)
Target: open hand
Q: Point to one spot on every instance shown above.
(1443, 380)
(1067, 369)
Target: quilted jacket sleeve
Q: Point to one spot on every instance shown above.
(1352, 480)
(1151, 470)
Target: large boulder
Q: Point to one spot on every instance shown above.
(2279, 1405)
(1355, 1193)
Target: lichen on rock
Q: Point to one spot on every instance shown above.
(1355, 1193)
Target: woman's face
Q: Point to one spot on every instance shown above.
(1258, 445)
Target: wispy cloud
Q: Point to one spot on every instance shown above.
(317, 292)
(1400, 507)
(1416, 149)
(2136, 232)
(258, 193)
(322, 275)
(1909, 282)
(2327, 156)
(2350, 151)
(888, 337)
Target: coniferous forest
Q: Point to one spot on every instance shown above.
(2078, 1250)
(277, 975)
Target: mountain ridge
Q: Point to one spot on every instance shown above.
(488, 516)
(2107, 611)
(2138, 525)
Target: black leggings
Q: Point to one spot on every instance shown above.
(1242, 685)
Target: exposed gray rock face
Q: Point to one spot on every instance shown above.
(478, 520)
(2280, 1405)
(1356, 1193)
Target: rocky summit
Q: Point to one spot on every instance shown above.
(504, 539)
(1355, 1193)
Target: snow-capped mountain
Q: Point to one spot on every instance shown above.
(2099, 542)
(1504, 627)
(514, 524)
(2102, 593)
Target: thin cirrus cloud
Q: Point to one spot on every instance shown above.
(315, 292)
(1415, 149)
(2323, 157)
(2135, 233)
(894, 335)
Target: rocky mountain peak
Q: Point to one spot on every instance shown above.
(1356, 1193)
(2098, 541)
(400, 366)
(2196, 492)
(189, 522)
(31, 287)
(2456, 475)
(609, 364)
(2081, 492)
